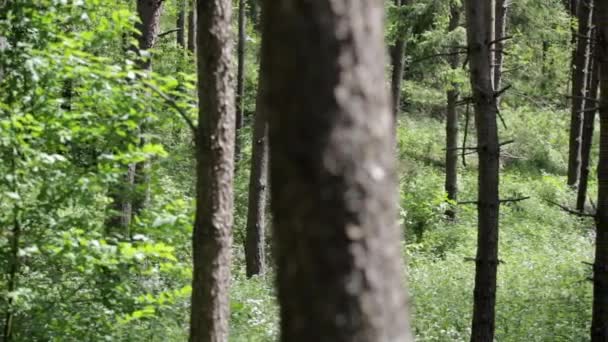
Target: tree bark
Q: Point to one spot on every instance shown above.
(451, 151)
(181, 24)
(579, 92)
(256, 220)
(212, 239)
(192, 26)
(397, 60)
(500, 33)
(599, 324)
(149, 12)
(332, 172)
(588, 128)
(240, 81)
(479, 38)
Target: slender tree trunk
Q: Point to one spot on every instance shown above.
(571, 8)
(599, 325)
(149, 12)
(491, 34)
(500, 33)
(579, 92)
(479, 38)
(192, 26)
(332, 172)
(181, 24)
(212, 239)
(588, 128)
(14, 264)
(254, 13)
(451, 152)
(397, 60)
(240, 81)
(254, 241)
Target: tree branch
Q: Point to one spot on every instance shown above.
(174, 105)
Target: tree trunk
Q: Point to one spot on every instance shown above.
(332, 172)
(212, 239)
(579, 92)
(451, 152)
(500, 33)
(599, 325)
(192, 26)
(14, 262)
(491, 34)
(588, 128)
(397, 55)
(181, 24)
(240, 81)
(149, 12)
(254, 241)
(479, 38)
(254, 13)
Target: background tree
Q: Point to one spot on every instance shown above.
(451, 151)
(480, 41)
(192, 25)
(240, 78)
(397, 54)
(579, 91)
(589, 113)
(256, 209)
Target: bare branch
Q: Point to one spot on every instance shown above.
(570, 211)
(169, 32)
(174, 105)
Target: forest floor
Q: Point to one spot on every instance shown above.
(544, 292)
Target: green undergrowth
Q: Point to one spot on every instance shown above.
(543, 289)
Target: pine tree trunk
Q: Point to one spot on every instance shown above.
(332, 172)
(212, 238)
(398, 65)
(192, 26)
(451, 152)
(579, 92)
(599, 325)
(181, 24)
(500, 33)
(479, 37)
(256, 220)
(588, 128)
(240, 81)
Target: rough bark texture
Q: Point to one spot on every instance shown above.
(588, 128)
(579, 92)
(478, 30)
(500, 32)
(599, 325)
(254, 241)
(149, 12)
(181, 24)
(451, 152)
(212, 237)
(240, 80)
(332, 172)
(192, 26)
(398, 65)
